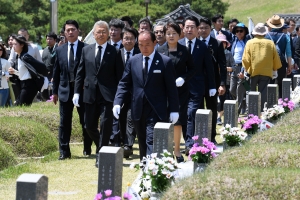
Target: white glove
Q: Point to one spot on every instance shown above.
(116, 111)
(179, 82)
(212, 92)
(76, 100)
(275, 74)
(174, 117)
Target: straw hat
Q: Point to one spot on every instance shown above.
(260, 29)
(275, 22)
(222, 38)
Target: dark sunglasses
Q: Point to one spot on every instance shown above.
(239, 31)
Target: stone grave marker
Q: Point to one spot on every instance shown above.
(296, 81)
(203, 124)
(163, 137)
(286, 88)
(254, 103)
(231, 113)
(110, 170)
(32, 187)
(272, 96)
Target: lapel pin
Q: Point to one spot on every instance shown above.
(156, 62)
(108, 52)
(197, 46)
(180, 53)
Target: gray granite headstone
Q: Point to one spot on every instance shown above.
(163, 136)
(32, 187)
(110, 170)
(296, 81)
(286, 88)
(231, 113)
(272, 97)
(203, 124)
(254, 103)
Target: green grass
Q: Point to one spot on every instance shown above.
(265, 167)
(7, 157)
(259, 10)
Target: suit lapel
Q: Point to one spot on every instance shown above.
(106, 55)
(122, 55)
(139, 69)
(78, 53)
(153, 66)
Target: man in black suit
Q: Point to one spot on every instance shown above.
(115, 29)
(150, 77)
(219, 63)
(218, 22)
(126, 130)
(97, 76)
(64, 74)
(203, 64)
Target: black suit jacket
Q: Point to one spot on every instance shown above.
(106, 77)
(219, 61)
(121, 57)
(203, 64)
(159, 88)
(61, 78)
(184, 65)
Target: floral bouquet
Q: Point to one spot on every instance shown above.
(287, 105)
(273, 113)
(204, 153)
(158, 173)
(250, 123)
(108, 196)
(232, 136)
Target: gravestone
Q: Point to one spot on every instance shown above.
(272, 96)
(110, 170)
(32, 186)
(203, 124)
(286, 88)
(296, 81)
(231, 113)
(254, 103)
(163, 136)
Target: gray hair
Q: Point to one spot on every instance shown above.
(160, 23)
(101, 23)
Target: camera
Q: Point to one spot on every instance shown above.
(62, 38)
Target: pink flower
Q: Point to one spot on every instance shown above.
(108, 192)
(98, 196)
(196, 137)
(127, 196)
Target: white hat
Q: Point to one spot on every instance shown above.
(260, 29)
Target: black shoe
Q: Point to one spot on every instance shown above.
(127, 151)
(187, 150)
(180, 159)
(86, 153)
(63, 157)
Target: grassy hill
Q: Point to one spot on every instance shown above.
(259, 10)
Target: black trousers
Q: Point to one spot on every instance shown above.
(27, 93)
(65, 127)
(144, 129)
(93, 112)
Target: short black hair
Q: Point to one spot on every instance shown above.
(145, 20)
(206, 21)
(3, 51)
(130, 30)
(216, 17)
(116, 23)
(153, 38)
(175, 26)
(52, 35)
(128, 19)
(71, 21)
(23, 30)
(297, 28)
(191, 18)
(233, 20)
(22, 40)
(287, 21)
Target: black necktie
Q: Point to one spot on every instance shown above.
(204, 41)
(116, 45)
(98, 57)
(128, 56)
(190, 45)
(71, 63)
(145, 69)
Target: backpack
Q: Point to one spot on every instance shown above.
(281, 54)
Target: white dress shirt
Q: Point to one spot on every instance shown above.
(22, 72)
(206, 39)
(192, 45)
(102, 50)
(149, 61)
(118, 43)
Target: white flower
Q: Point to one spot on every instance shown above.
(165, 171)
(144, 195)
(169, 175)
(132, 165)
(154, 172)
(227, 126)
(154, 155)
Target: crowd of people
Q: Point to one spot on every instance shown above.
(130, 79)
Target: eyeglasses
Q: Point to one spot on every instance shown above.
(156, 32)
(204, 28)
(239, 31)
(128, 39)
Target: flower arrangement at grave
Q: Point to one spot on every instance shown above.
(274, 113)
(157, 173)
(232, 136)
(204, 153)
(250, 124)
(108, 196)
(287, 104)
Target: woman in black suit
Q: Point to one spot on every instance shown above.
(184, 67)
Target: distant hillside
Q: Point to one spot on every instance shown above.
(260, 10)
